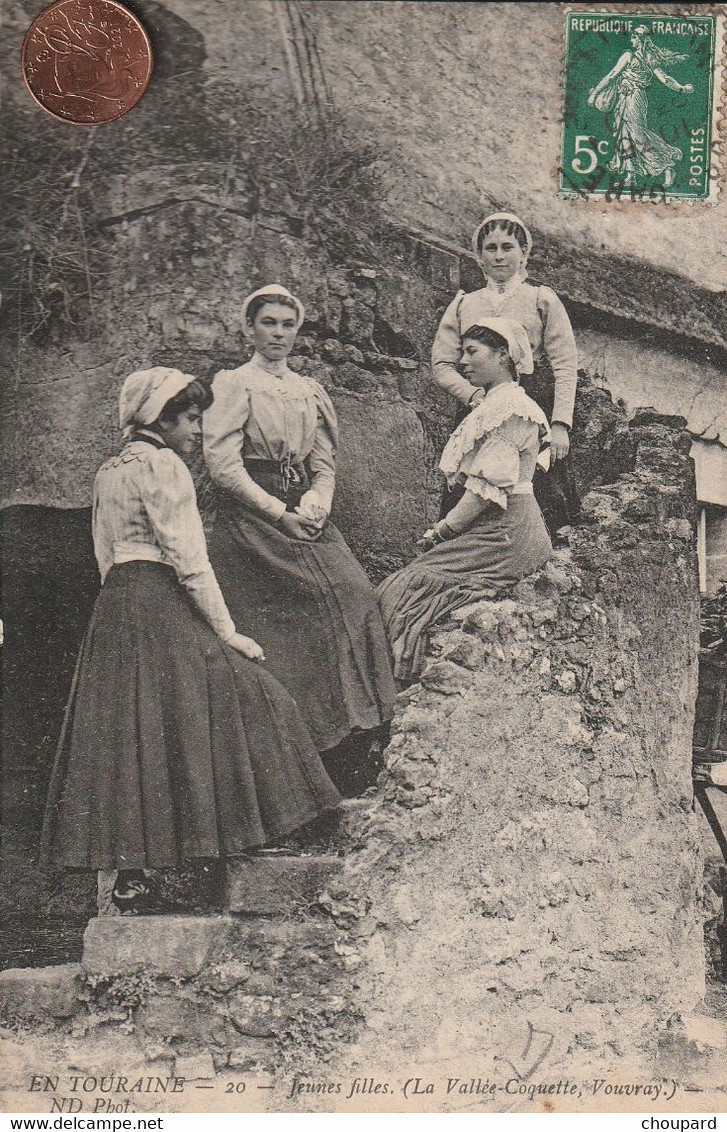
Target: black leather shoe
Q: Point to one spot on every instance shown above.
(131, 890)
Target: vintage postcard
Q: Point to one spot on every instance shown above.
(364, 512)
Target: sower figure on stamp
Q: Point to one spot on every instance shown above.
(502, 244)
(176, 744)
(621, 95)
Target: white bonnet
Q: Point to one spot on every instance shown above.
(505, 218)
(273, 289)
(518, 345)
(145, 393)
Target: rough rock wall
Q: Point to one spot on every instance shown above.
(138, 241)
(60, 411)
(468, 99)
(530, 870)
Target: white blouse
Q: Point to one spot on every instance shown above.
(265, 411)
(546, 324)
(494, 451)
(145, 509)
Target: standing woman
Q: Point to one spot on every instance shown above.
(175, 745)
(502, 245)
(270, 443)
(495, 534)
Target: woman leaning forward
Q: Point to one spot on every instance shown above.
(176, 744)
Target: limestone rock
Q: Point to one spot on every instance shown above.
(176, 946)
(445, 676)
(195, 1067)
(260, 1017)
(41, 992)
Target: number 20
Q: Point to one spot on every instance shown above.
(584, 144)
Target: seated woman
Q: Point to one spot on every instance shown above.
(175, 744)
(495, 535)
(502, 245)
(270, 443)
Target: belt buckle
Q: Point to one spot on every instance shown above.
(288, 472)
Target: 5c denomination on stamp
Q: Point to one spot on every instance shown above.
(639, 106)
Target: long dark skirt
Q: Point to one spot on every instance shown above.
(314, 611)
(174, 745)
(497, 550)
(556, 490)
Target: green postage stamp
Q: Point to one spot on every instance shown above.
(640, 95)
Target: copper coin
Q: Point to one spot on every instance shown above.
(86, 61)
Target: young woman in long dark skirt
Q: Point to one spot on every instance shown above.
(177, 744)
(270, 441)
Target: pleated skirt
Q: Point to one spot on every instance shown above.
(174, 746)
(496, 551)
(314, 611)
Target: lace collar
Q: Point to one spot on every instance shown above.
(504, 290)
(277, 369)
(501, 403)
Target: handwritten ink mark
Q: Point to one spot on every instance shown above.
(528, 1052)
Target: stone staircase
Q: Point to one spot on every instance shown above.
(209, 989)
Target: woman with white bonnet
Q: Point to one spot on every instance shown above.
(495, 534)
(270, 441)
(502, 245)
(176, 744)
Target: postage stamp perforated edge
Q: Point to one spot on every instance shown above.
(718, 156)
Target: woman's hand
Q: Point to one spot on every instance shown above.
(300, 528)
(559, 441)
(440, 532)
(310, 507)
(427, 541)
(313, 512)
(249, 648)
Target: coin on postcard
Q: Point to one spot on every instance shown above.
(86, 61)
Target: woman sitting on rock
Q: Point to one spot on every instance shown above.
(270, 442)
(176, 745)
(495, 534)
(502, 245)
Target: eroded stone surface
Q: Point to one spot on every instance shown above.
(41, 993)
(265, 886)
(533, 859)
(165, 945)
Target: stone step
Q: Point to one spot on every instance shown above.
(203, 888)
(267, 886)
(181, 946)
(41, 993)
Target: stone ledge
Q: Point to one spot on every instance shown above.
(176, 946)
(265, 886)
(180, 946)
(693, 1049)
(40, 992)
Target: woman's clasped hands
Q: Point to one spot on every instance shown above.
(301, 527)
(307, 521)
